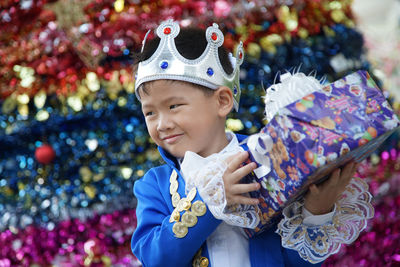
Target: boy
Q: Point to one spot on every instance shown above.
(187, 85)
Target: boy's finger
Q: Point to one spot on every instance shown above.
(238, 189)
(245, 200)
(334, 179)
(313, 189)
(236, 160)
(348, 169)
(243, 171)
(355, 168)
(347, 173)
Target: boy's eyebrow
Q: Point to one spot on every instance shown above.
(169, 99)
(176, 98)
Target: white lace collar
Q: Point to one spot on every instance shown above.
(192, 160)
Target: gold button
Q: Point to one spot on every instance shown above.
(189, 219)
(173, 176)
(184, 204)
(192, 194)
(203, 262)
(175, 199)
(173, 187)
(199, 208)
(175, 215)
(179, 230)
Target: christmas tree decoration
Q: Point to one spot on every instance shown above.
(73, 138)
(45, 154)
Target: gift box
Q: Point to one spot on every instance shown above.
(307, 139)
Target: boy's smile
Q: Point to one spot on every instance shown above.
(171, 139)
(181, 117)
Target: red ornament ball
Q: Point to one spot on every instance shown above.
(45, 154)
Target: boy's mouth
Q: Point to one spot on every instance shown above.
(170, 139)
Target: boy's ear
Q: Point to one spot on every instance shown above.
(225, 100)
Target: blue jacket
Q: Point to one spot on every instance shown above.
(154, 243)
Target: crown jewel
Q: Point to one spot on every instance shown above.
(168, 63)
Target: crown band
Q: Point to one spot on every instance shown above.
(168, 63)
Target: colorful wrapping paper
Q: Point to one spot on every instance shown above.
(346, 120)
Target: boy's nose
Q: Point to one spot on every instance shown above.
(164, 123)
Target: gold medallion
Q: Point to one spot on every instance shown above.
(173, 187)
(192, 194)
(189, 219)
(199, 208)
(184, 204)
(175, 199)
(204, 262)
(179, 230)
(173, 176)
(175, 216)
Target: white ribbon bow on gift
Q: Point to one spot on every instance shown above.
(259, 144)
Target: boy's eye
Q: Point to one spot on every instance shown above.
(148, 113)
(174, 106)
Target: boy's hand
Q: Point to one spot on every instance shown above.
(321, 199)
(234, 190)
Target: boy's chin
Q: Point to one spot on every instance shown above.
(176, 154)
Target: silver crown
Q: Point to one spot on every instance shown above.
(167, 63)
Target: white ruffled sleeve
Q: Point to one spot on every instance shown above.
(206, 175)
(315, 243)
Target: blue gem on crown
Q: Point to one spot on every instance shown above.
(210, 71)
(164, 65)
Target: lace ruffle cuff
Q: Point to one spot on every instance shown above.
(316, 243)
(210, 185)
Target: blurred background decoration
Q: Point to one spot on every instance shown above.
(73, 139)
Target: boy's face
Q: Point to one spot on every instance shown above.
(180, 118)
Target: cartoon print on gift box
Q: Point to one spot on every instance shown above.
(367, 136)
(274, 188)
(321, 155)
(327, 90)
(314, 159)
(358, 130)
(386, 105)
(340, 103)
(356, 90)
(332, 156)
(329, 137)
(370, 82)
(305, 103)
(279, 154)
(311, 130)
(325, 122)
(338, 119)
(297, 136)
(320, 150)
(303, 167)
(271, 131)
(372, 106)
(285, 123)
(265, 216)
(340, 83)
(292, 171)
(391, 123)
(353, 78)
(344, 149)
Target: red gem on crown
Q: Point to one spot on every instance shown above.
(214, 36)
(240, 55)
(167, 30)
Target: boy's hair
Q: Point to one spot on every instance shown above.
(190, 43)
